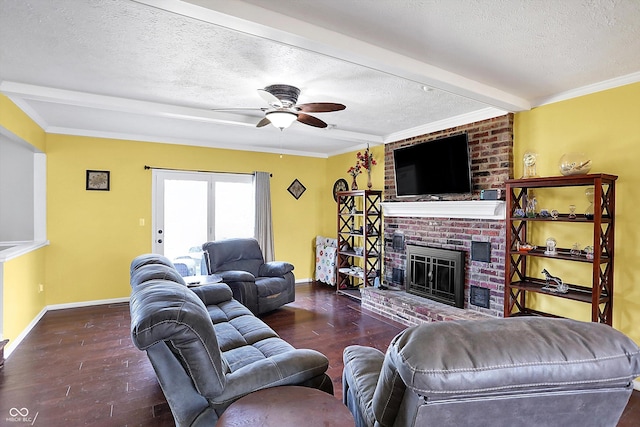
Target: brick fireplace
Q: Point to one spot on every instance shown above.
(457, 223)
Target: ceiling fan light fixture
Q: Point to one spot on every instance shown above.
(281, 119)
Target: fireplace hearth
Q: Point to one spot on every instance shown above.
(437, 274)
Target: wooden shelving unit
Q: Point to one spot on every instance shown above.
(359, 226)
(519, 282)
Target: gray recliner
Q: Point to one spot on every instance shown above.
(498, 372)
(259, 286)
(206, 348)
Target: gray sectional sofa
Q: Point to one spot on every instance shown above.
(206, 348)
(498, 372)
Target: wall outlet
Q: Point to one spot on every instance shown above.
(141, 222)
(40, 287)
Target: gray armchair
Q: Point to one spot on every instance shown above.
(498, 372)
(259, 286)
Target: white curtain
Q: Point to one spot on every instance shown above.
(264, 228)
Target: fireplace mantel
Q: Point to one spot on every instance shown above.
(476, 209)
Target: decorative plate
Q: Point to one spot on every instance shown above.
(340, 185)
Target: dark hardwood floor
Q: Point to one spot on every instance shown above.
(79, 367)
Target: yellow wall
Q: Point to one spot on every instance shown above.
(606, 126)
(22, 297)
(16, 121)
(94, 234)
(337, 167)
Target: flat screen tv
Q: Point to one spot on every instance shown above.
(441, 166)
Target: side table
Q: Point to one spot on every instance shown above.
(287, 406)
(203, 280)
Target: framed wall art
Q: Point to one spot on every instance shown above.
(296, 189)
(98, 180)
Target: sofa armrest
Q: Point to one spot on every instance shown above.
(289, 368)
(275, 269)
(236, 276)
(213, 294)
(362, 366)
(243, 287)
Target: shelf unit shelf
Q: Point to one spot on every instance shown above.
(563, 253)
(519, 282)
(359, 226)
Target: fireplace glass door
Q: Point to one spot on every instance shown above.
(436, 275)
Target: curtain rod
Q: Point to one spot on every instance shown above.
(146, 167)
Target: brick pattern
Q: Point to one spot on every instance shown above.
(491, 147)
(412, 310)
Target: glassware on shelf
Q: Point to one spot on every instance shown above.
(555, 214)
(531, 206)
(572, 211)
(575, 250)
(588, 252)
(551, 246)
(529, 160)
(589, 192)
(575, 164)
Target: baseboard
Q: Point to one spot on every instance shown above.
(13, 344)
(303, 281)
(87, 303)
(636, 384)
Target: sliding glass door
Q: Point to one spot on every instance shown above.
(191, 208)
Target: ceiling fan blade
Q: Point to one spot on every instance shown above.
(270, 98)
(320, 107)
(311, 121)
(263, 122)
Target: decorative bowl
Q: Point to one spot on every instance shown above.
(575, 164)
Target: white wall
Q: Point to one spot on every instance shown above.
(16, 191)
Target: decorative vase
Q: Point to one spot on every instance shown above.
(369, 184)
(354, 184)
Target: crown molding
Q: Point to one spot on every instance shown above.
(463, 119)
(590, 89)
(178, 141)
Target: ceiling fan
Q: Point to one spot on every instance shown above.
(283, 110)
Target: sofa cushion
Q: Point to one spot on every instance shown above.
(227, 310)
(470, 358)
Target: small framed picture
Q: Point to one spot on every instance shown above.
(98, 180)
(296, 189)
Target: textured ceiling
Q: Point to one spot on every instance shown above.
(155, 69)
